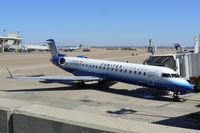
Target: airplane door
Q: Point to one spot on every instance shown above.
(150, 79)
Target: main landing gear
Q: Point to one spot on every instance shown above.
(81, 84)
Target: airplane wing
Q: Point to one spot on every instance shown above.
(67, 78)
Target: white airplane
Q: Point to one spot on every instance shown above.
(36, 47)
(71, 48)
(85, 70)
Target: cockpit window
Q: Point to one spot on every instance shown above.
(175, 75)
(166, 75)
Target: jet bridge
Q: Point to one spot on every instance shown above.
(166, 60)
(185, 64)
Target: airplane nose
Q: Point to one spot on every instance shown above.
(186, 86)
(183, 86)
(189, 87)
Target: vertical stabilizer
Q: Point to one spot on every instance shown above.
(54, 51)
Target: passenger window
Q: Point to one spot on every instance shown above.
(125, 71)
(144, 73)
(139, 73)
(130, 71)
(120, 70)
(135, 72)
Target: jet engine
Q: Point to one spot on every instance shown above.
(62, 61)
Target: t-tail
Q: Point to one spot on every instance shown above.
(54, 51)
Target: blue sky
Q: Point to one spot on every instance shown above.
(103, 22)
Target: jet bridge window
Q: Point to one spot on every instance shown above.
(166, 75)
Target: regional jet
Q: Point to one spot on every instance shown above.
(85, 70)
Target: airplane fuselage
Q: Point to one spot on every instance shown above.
(145, 75)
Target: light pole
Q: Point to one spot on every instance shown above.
(4, 30)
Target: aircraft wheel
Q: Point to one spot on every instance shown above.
(175, 97)
(81, 84)
(102, 82)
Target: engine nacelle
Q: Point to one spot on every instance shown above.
(62, 61)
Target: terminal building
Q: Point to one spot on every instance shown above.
(11, 42)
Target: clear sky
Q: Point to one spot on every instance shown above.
(103, 22)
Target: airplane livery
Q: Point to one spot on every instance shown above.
(85, 70)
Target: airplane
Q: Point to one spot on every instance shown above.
(70, 48)
(30, 48)
(103, 71)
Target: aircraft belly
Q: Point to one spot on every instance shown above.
(123, 78)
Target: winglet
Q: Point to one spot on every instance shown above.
(11, 76)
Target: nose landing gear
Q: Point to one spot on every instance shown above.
(176, 97)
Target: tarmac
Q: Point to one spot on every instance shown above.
(118, 101)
